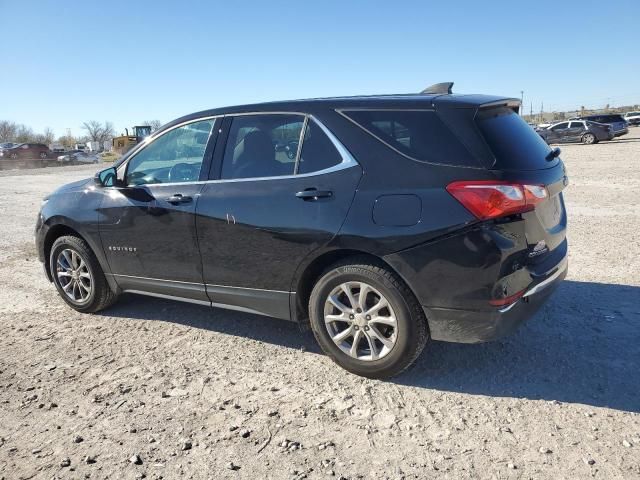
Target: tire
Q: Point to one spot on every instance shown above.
(13, 156)
(589, 139)
(99, 295)
(408, 335)
(43, 155)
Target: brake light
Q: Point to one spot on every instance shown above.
(488, 199)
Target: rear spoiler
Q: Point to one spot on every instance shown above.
(512, 103)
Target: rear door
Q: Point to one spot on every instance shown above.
(576, 130)
(263, 211)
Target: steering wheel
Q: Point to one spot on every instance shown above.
(182, 172)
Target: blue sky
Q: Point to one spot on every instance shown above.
(71, 61)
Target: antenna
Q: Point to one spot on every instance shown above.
(438, 88)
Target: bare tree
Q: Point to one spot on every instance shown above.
(7, 131)
(24, 134)
(98, 132)
(154, 124)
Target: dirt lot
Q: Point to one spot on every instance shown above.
(206, 393)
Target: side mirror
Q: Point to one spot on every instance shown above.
(107, 177)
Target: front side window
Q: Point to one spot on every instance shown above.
(561, 126)
(262, 146)
(176, 156)
(577, 125)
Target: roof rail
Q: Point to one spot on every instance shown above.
(441, 88)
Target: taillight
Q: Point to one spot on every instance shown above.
(488, 199)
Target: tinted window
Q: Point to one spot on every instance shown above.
(513, 143)
(318, 152)
(560, 126)
(173, 157)
(262, 146)
(606, 118)
(420, 135)
(576, 125)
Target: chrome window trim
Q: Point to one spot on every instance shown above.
(152, 138)
(348, 160)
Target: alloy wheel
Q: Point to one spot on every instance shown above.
(360, 321)
(74, 276)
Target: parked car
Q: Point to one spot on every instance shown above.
(26, 150)
(577, 131)
(618, 124)
(632, 118)
(7, 145)
(79, 156)
(456, 232)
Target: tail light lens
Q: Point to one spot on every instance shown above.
(488, 199)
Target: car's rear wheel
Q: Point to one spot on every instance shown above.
(43, 155)
(13, 156)
(589, 138)
(78, 276)
(367, 320)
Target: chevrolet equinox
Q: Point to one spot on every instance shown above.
(396, 219)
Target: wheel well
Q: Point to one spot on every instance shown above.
(315, 269)
(55, 232)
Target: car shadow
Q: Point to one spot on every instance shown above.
(582, 347)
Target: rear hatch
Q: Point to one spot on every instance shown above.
(520, 156)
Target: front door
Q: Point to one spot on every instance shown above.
(266, 211)
(559, 133)
(148, 221)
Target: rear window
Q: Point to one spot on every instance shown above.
(606, 118)
(514, 144)
(418, 134)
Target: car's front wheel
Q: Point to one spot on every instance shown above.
(78, 276)
(367, 320)
(589, 138)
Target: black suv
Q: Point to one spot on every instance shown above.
(399, 218)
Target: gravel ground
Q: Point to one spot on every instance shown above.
(157, 389)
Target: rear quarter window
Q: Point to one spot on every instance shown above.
(418, 134)
(515, 145)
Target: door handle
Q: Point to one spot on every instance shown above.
(313, 194)
(179, 198)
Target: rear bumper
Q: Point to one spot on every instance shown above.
(477, 326)
(618, 133)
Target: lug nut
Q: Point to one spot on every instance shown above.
(368, 317)
(359, 310)
(366, 328)
(356, 327)
(351, 317)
